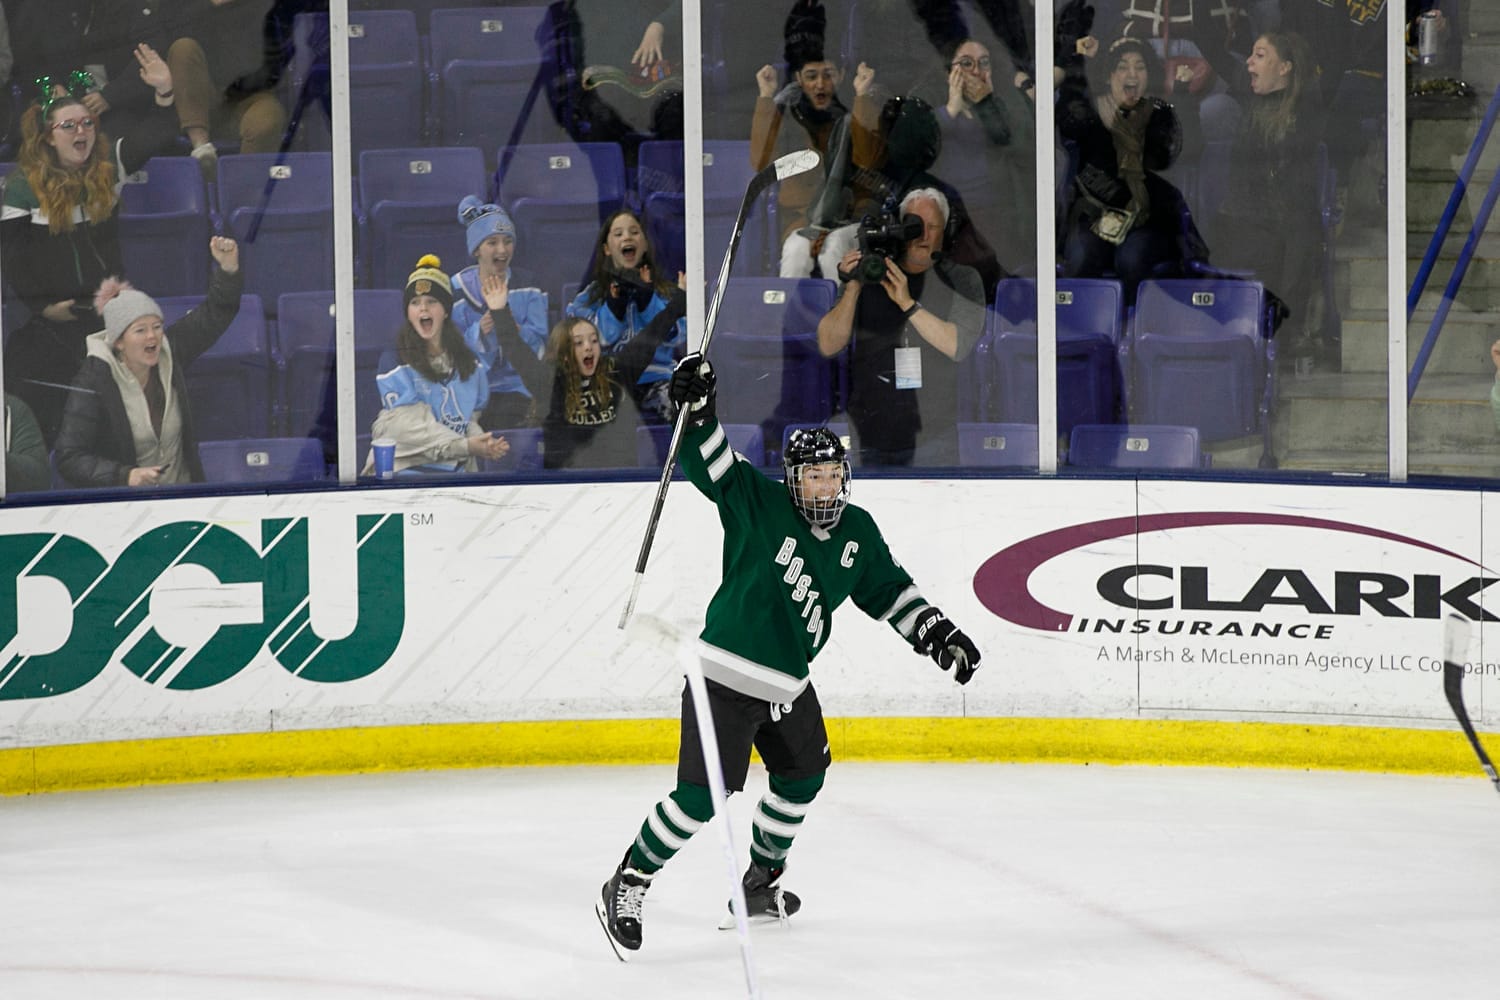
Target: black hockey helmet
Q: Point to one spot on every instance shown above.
(816, 446)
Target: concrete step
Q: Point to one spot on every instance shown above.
(1346, 413)
(1427, 193)
(1442, 145)
(1462, 347)
(1484, 19)
(1481, 60)
(1360, 283)
(1360, 269)
(1375, 464)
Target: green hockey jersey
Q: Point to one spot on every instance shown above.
(783, 577)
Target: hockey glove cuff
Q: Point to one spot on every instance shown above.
(935, 636)
(693, 386)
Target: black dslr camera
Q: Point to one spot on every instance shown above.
(883, 239)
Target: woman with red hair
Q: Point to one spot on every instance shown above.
(59, 229)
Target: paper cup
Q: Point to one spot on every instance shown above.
(385, 457)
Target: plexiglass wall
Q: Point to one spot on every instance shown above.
(519, 236)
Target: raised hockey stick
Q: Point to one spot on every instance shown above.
(789, 165)
(1455, 648)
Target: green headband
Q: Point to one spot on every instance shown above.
(75, 85)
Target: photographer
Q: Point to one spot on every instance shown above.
(908, 336)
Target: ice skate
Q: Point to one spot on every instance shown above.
(765, 899)
(619, 908)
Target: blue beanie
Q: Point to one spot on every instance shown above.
(483, 221)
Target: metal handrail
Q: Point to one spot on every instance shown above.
(1440, 235)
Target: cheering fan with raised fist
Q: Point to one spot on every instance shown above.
(793, 552)
(588, 399)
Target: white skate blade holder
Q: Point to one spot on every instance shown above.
(623, 954)
(729, 923)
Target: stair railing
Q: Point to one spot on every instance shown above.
(1440, 235)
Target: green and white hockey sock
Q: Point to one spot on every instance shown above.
(671, 823)
(778, 818)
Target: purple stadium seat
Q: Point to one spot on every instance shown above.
(231, 385)
(263, 460)
(559, 194)
(1134, 446)
(164, 227)
(726, 172)
(279, 207)
(582, 172)
(1089, 328)
(482, 63)
(305, 344)
(385, 74)
(765, 349)
(1199, 357)
(997, 445)
(409, 206)
(976, 373)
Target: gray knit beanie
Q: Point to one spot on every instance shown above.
(120, 305)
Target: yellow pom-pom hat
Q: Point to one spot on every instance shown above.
(429, 279)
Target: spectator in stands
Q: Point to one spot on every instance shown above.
(492, 243)
(59, 231)
(27, 467)
(988, 150)
(127, 421)
(909, 334)
(1126, 220)
(1180, 31)
(852, 152)
(624, 295)
(219, 87)
(581, 390)
(731, 90)
(433, 389)
(811, 100)
(600, 88)
(1270, 222)
(1351, 60)
(108, 41)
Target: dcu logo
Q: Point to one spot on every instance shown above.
(111, 606)
(1003, 583)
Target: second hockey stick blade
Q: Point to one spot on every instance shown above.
(1455, 649)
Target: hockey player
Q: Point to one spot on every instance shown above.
(792, 554)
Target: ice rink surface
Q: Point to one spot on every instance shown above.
(918, 881)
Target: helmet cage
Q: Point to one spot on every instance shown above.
(817, 446)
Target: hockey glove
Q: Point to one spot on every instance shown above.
(693, 383)
(935, 636)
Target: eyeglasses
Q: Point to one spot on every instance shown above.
(73, 124)
(970, 64)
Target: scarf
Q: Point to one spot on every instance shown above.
(1129, 134)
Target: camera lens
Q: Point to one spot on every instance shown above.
(872, 267)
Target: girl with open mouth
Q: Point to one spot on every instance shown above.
(580, 387)
(626, 293)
